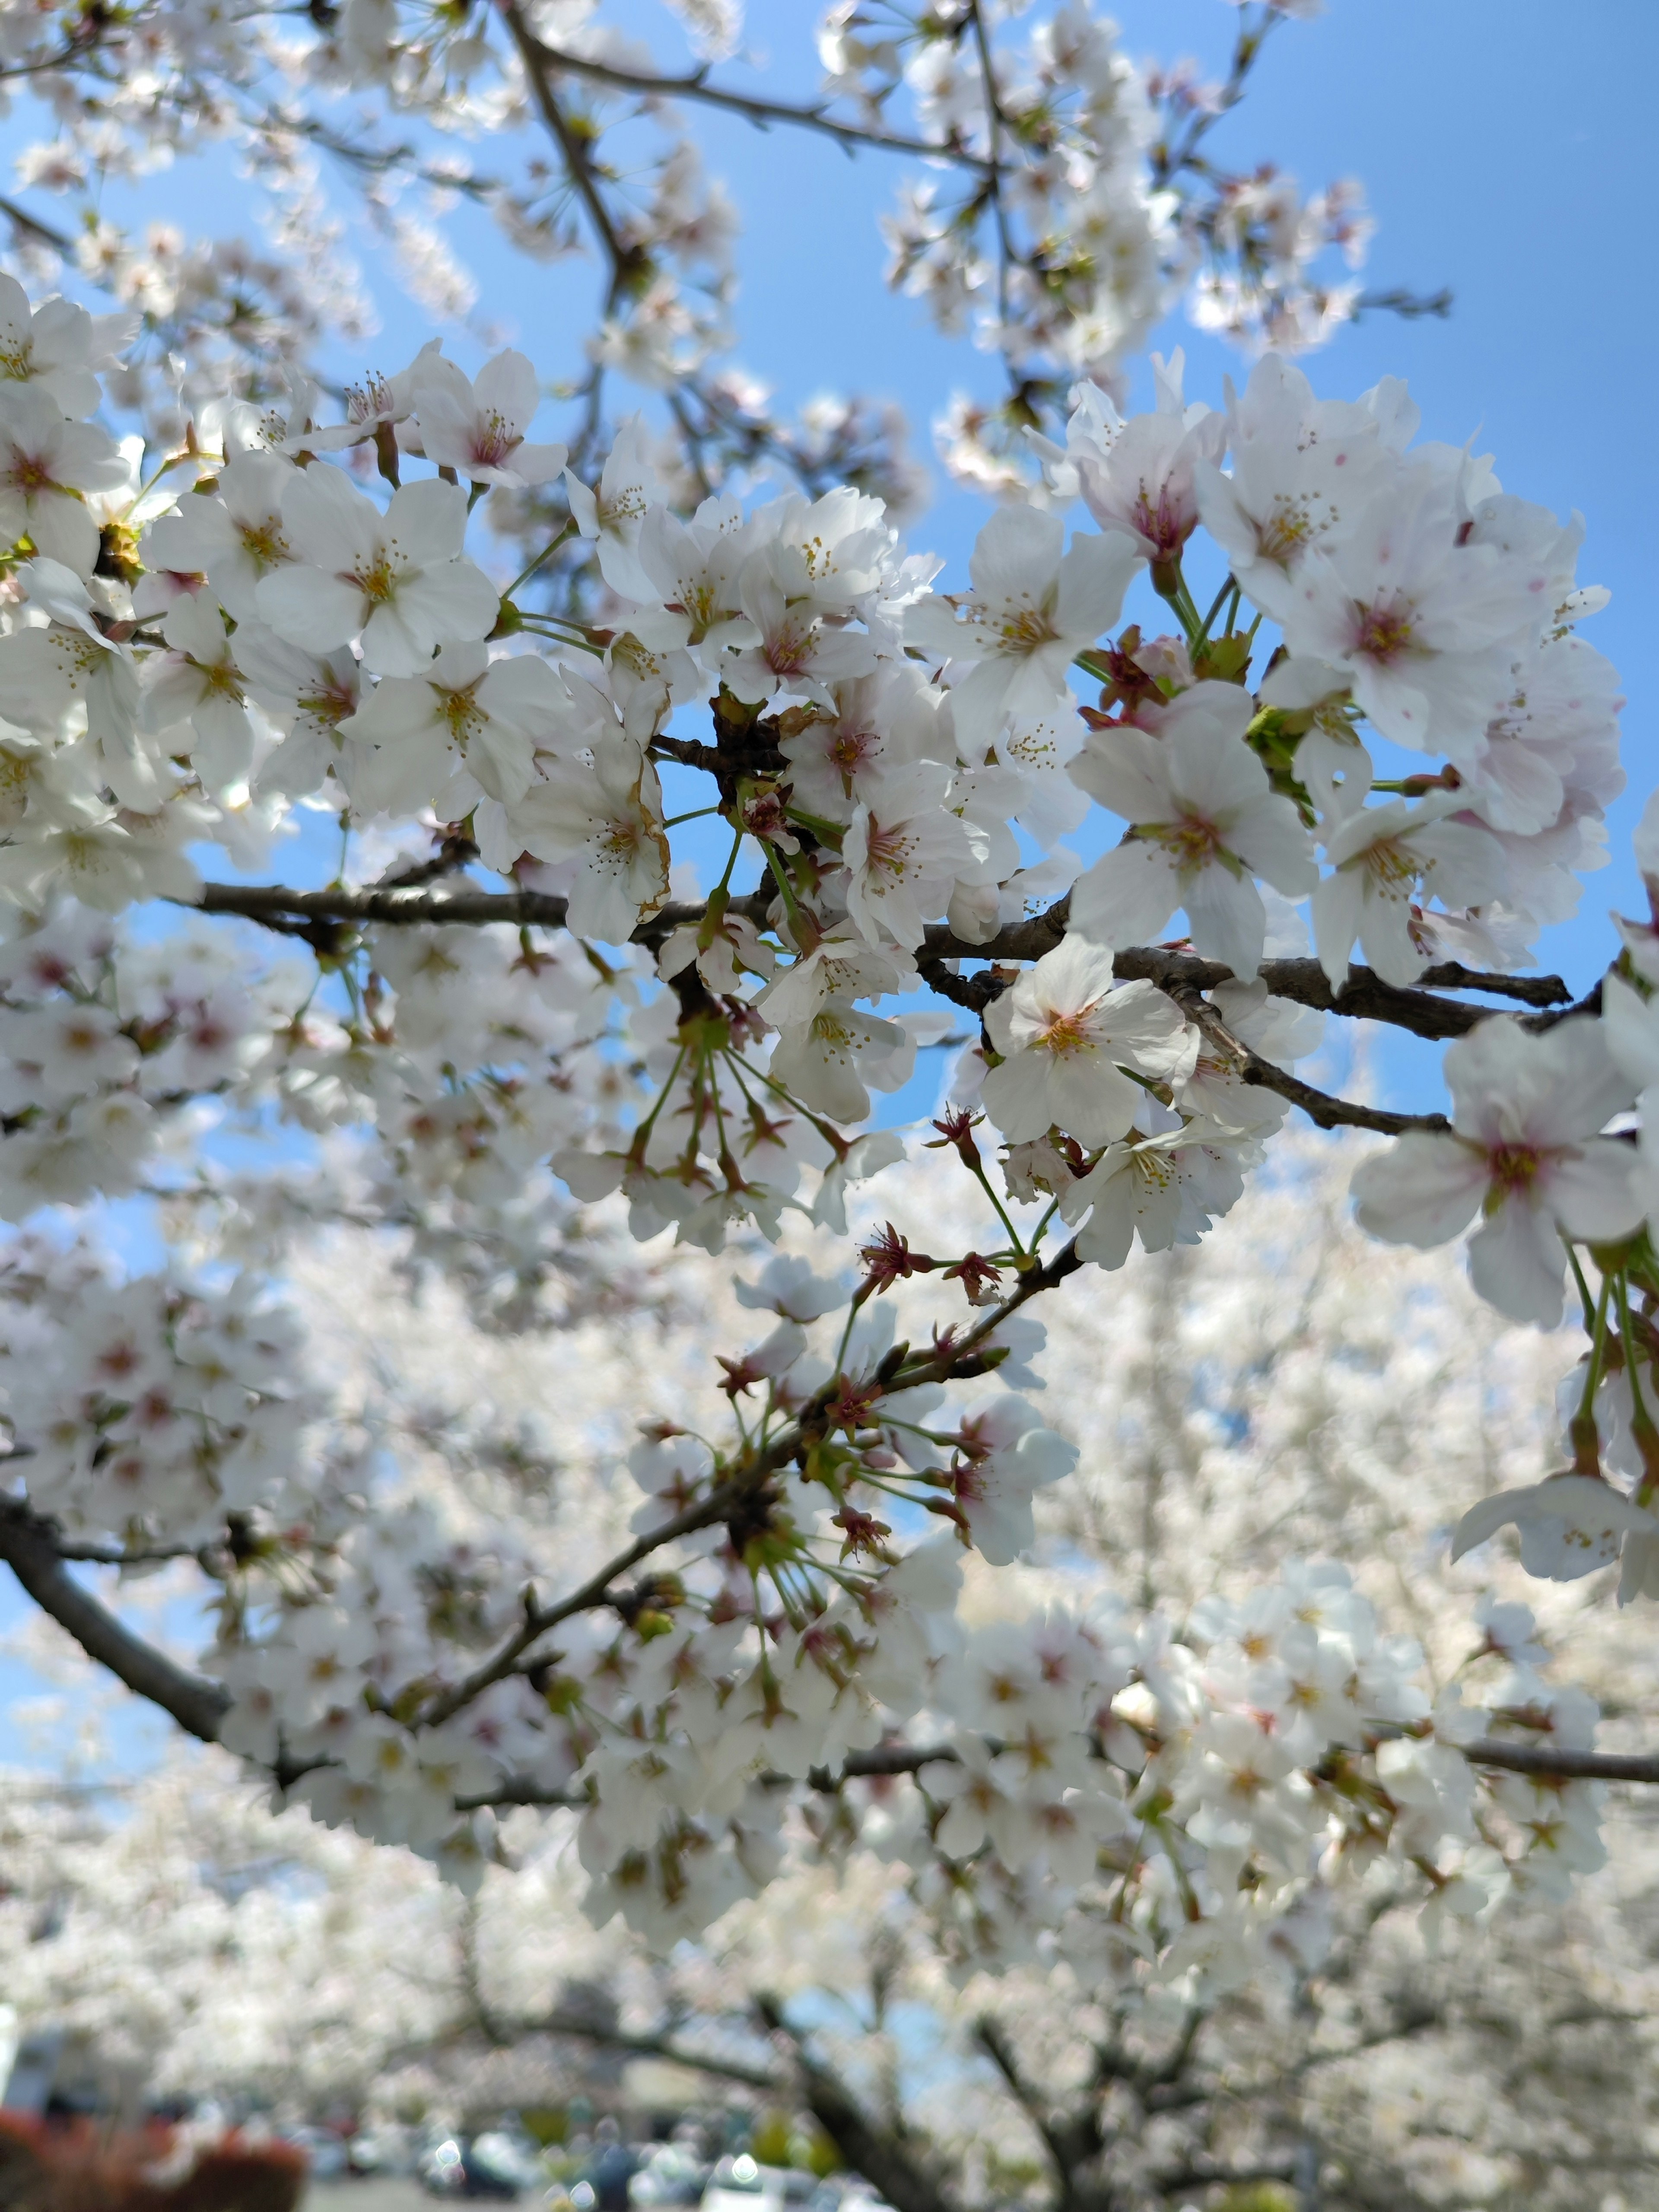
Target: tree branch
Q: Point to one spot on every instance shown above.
(867, 2148)
(658, 2046)
(28, 1550)
(761, 112)
(1071, 2139)
(627, 262)
(1558, 1763)
(1320, 1107)
(1364, 997)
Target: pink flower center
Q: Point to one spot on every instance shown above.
(1192, 842)
(1514, 1168)
(494, 442)
(1385, 632)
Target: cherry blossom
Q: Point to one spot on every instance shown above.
(1202, 822)
(1524, 1152)
(398, 580)
(1063, 1031)
(46, 464)
(1034, 605)
(477, 428)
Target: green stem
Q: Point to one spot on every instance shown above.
(546, 553)
(978, 1173)
(1202, 639)
(1627, 1337)
(1585, 1298)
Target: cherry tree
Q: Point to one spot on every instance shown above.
(505, 1032)
(1288, 1390)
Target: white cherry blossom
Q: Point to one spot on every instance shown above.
(1203, 821)
(398, 580)
(1384, 860)
(1033, 607)
(477, 428)
(1065, 1031)
(1524, 1152)
(46, 464)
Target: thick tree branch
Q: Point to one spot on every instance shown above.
(1364, 997)
(660, 2046)
(869, 2150)
(28, 1550)
(1071, 2139)
(1320, 1107)
(1558, 1763)
(432, 906)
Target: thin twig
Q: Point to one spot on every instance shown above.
(762, 112)
(626, 261)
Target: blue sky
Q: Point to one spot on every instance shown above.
(1509, 154)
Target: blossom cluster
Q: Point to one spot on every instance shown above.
(150, 1409)
(285, 618)
(1066, 204)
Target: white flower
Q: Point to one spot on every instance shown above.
(1524, 1152)
(96, 860)
(1559, 725)
(878, 722)
(1064, 1030)
(1006, 1456)
(1167, 1188)
(199, 685)
(1138, 476)
(46, 674)
(399, 577)
(478, 428)
(796, 654)
(1203, 821)
(1569, 1525)
(46, 464)
(611, 516)
(56, 347)
(902, 850)
(786, 1286)
(828, 1060)
(463, 707)
(694, 570)
(1379, 855)
(234, 539)
(1426, 622)
(1031, 611)
(606, 811)
(314, 694)
(841, 965)
(1301, 468)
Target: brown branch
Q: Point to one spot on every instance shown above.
(629, 263)
(275, 906)
(1364, 997)
(1558, 1763)
(761, 112)
(29, 226)
(1071, 2139)
(1320, 1107)
(869, 2149)
(198, 1705)
(954, 1360)
(592, 1594)
(658, 2046)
